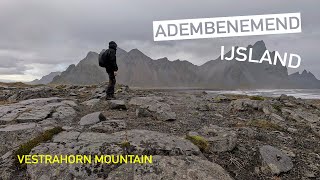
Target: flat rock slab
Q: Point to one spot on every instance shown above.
(14, 135)
(220, 139)
(34, 110)
(145, 141)
(141, 142)
(245, 104)
(66, 136)
(92, 118)
(151, 106)
(91, 102)
(36, 114)
(117, 104)
(275, 159)
(17, 127)
(175, 167)
(109, 126)
(300, 115)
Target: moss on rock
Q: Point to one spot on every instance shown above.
(199, 141)
(259, 98)
(25, 148)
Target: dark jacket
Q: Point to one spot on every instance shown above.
(111, 63)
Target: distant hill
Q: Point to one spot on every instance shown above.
(304, 80)
(137, 69)
(45, 79)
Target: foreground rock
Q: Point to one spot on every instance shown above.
(218, 139)
(248, 104)
(176, 167)
(25, 120)
(117, 104)
(35, 110)
(91, 102)
(275, 159)
(151, 106)
(141, 142)
(109, 126)
(92, 118)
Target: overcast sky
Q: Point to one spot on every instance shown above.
(38, 37)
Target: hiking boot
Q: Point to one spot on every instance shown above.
(110, 97)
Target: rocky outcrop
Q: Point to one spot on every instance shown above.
(92, 118)
(141, 142)
(228, 136)
(151, 106)
(275, 159)
(219, 139)
(117, 104)
(179, 167)
(109, 126)
(25, 120)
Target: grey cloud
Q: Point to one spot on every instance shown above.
(56, 33)
(10, 66)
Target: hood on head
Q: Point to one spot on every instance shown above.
(113, 45)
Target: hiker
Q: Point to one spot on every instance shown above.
(109, 61)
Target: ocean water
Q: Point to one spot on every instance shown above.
(298, 93)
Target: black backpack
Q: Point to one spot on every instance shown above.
(103, 58)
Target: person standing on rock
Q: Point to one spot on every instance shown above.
(109, 61)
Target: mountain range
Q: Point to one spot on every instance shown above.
(138, 70)
(45, 79)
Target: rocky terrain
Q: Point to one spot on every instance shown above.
(191, 134)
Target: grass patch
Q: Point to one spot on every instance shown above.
(264, 124)
(199, 141)
(276, 107)
(19, 84)
(125, 144)
(259, 98)
(25, 148)
(61, 86)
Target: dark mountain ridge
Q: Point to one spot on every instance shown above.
(137, 69)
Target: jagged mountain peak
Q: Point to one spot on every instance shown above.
(260, 44)
(135, 51)
(91, 54)
(163, 59)
(137, 69)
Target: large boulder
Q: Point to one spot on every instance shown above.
(151, 106)
(275, 159)
(109, 126)
(92, 118)
(117, 104)
(91, 102)
(14, 135)
(176, 167)
(34, 110)
(140, 142)
(245, 104)
(34, 93)
(219, 139)
(66, 136)
(300, 115)
(26, 119)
